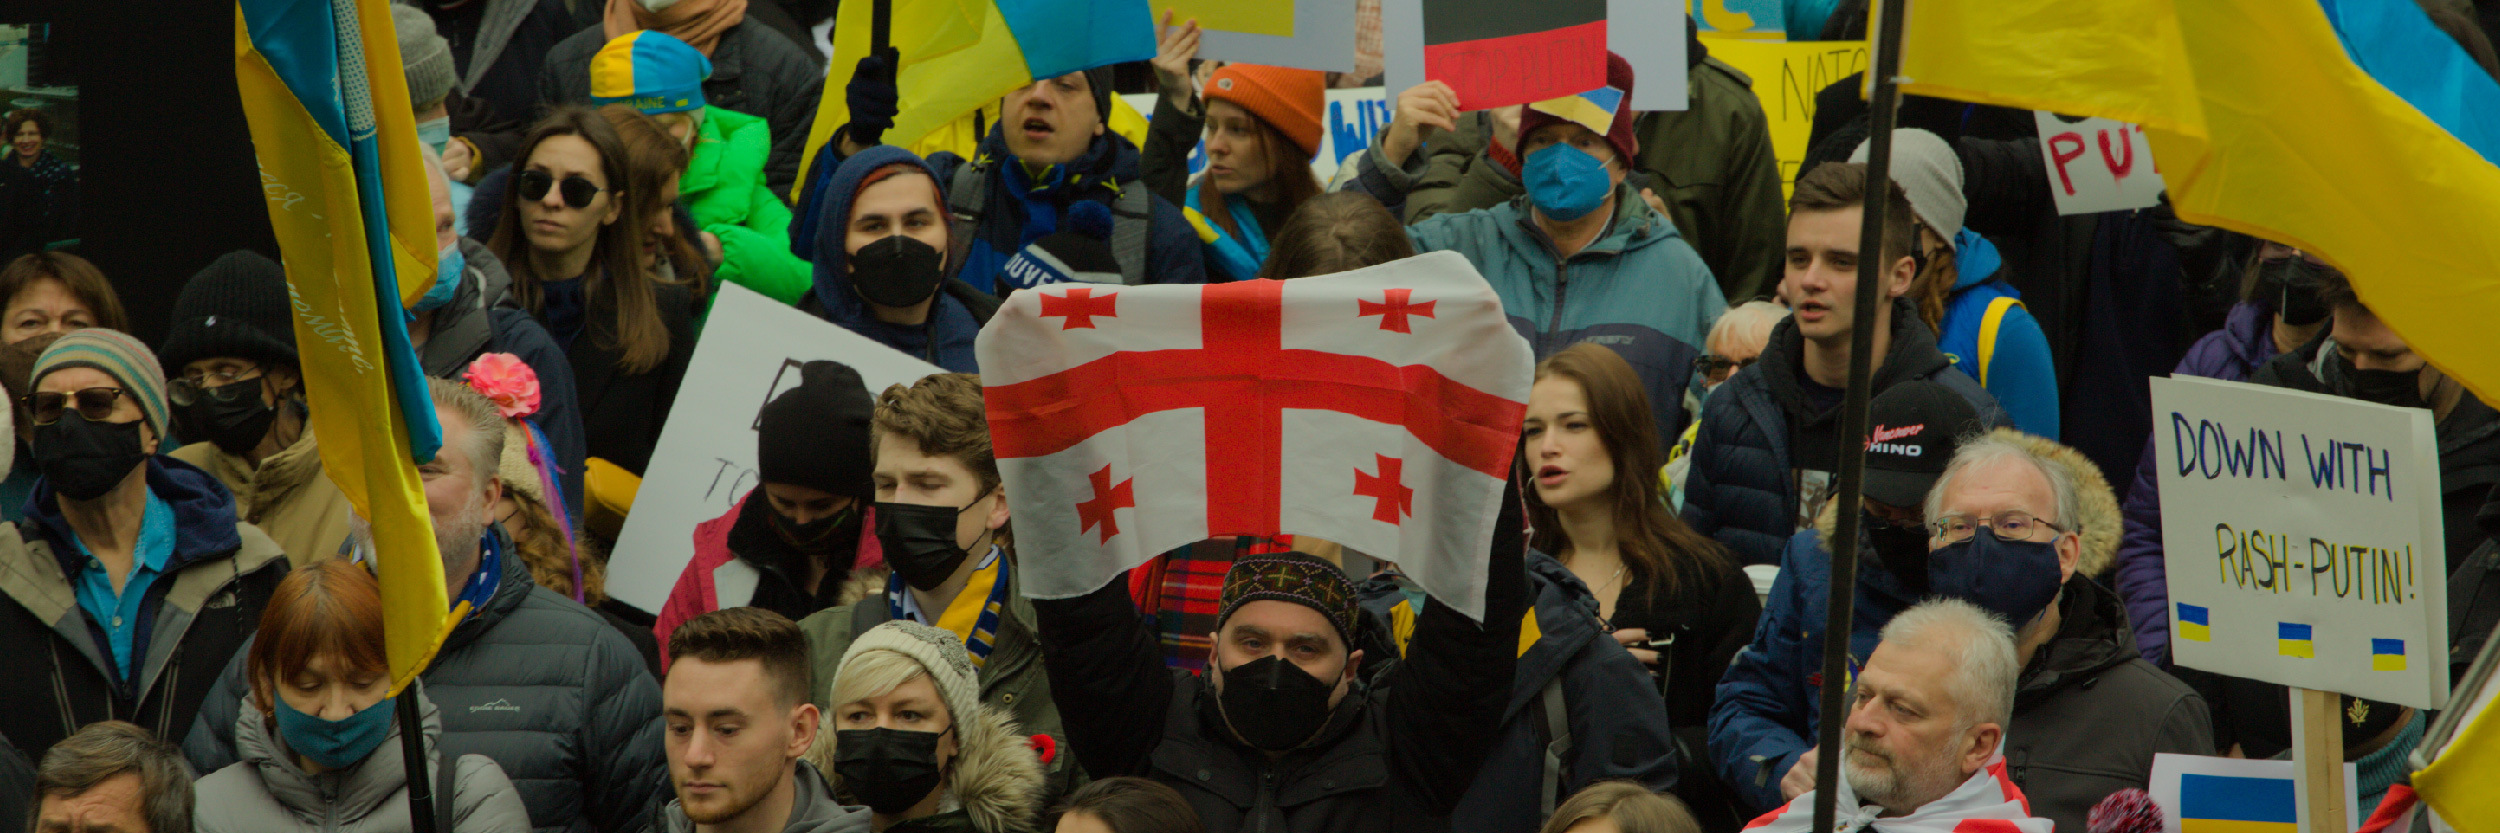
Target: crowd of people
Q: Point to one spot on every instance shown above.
(848, 647)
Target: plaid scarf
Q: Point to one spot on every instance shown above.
(1181, 594)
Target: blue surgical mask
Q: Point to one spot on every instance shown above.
(335, 744)
(2012, 579)
(435, 133)
(1566, 182)
(448, 264)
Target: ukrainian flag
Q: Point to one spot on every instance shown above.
(1594, 109)
(2355, 129)
(2232, 804)
(2193, 624)
(2293, 641)
(961, 55)
(2387, 654)
(336, 137)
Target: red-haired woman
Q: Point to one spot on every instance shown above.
(320, 743)
(1261, 125)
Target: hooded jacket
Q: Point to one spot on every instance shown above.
(1019, 210)
(995, 781)
(269, 792)
(539, 684)
(1741, 488)
(2006, 352)
(201, 610)
(287, 497)
(754, 70)
(480, 320)
(813, 808)
(2090, 714)
(945, 339)
(1618, 724)
(2245, 342)
(740, 562)
(723, 188)
(1638, 289)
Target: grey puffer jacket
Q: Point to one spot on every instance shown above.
(813, 809)
(541, 685)
(267, 792)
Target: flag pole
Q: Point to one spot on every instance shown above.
(1882, 95)
(881, 26)
(412, 751)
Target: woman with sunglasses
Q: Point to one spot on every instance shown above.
(133, 580)
(238, 400)
(576, 262)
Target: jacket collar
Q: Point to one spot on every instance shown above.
(1108, 159)
(204, 516)
(2092, 636)
(1633, 226)
(512, 588)
(1975, 260)
(463, 328)
(355, 793)
(1912, 354)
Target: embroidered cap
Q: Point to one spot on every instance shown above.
(1291, 577)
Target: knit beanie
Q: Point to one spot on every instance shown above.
(1291, 577)
(1931, 172)
(939, 653)
(1075, 254)
(117, 355)
(1618, 132)
(1099, 79)
(1289, 100)
(423, 54)
(652, 71)
(236, 307)
(816, 435)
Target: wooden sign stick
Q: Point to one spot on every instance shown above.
(2318, 760)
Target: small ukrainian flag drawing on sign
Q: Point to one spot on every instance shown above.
(2387, 654)
(2229, 804)
(2193, 622)
(2294, 641)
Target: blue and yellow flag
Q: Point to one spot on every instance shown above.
(2292, 640)
(1594, 109)
(2387, 655)
(962, 55)
(336, 138)
(2195, 623)
(2232, 804)
(2354, 129)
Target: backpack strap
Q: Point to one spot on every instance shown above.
(1131, 215)
(1557, 746)
(1988, 324)
(966, 194)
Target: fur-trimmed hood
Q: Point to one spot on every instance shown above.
(996, 778)
(2100, 523)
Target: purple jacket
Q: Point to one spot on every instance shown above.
(2245, 341)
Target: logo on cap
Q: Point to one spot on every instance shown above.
(1225, 84)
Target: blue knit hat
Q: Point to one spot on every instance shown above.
(117, 355)
(651, 71)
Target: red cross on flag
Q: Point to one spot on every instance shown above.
(1377, 408)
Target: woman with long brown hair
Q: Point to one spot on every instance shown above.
(576, 262)
(653, 162)
(1261, 126)
(1669, 594)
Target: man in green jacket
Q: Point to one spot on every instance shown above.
(745, 225)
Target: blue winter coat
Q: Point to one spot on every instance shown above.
(1740, 489)
(2012, 362)
(1638, 288)
(2245, 341)
(945, 339)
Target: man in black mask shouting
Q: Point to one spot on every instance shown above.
(1282, 733)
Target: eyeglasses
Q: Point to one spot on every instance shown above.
(578, 192)
(2011, 525)
(93, 404)
(1718, 368)
(218, 385)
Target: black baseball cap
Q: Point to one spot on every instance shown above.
(1913, 428)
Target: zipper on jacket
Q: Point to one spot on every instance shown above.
(1562, 287)
(1265, 806)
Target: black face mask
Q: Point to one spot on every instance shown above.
(1272, 704)
(818, 536)
(919, 541)
(890, 770)
(83, 460)
(2401, 388)
(897, 271)
(2292, 285)
(235, 427)
(1904, 551)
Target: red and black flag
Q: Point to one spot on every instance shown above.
(1496, 53)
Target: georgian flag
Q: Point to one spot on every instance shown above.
(1378, 409)
(1986, 802)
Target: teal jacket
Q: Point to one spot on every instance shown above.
(723, 188)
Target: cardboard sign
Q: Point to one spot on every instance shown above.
(1354, 118)
(2097, 165)
(2199, 793)
(705, 463)
(1786, 76)
(1303, 34)
(2303, 539)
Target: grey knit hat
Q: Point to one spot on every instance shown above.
(424, 54)
(1931, 172)
(936, 649)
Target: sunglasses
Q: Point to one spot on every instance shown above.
(1719, 367)
(578, 192)
(215, 387)
(93, 404)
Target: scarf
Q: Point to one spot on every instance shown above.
(1987, 802)
(700, 23)
(973, 615)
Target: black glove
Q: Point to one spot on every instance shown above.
(872, 96)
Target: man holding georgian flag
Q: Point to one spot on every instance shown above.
(1378, 409)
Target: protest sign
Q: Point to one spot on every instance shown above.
(1303, 34)
(1352, 119)
(2199, 793)
(1786, 77)
(2303, 539)
(2097, 164)
(1496, 53)
(1647, 33)
(705, 461)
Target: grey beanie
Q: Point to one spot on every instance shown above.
(1931, 172)
(424, 54)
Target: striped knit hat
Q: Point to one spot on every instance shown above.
(119, 356)
(1291, 577)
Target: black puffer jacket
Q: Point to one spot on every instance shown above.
(1741, 489)
(538, 683)
(755, 71)
(2090, 714)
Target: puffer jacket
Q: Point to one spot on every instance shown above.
(1741, 488)
(288, 497)
(201, 610)
(993, 786)
(1638, 289)
(945, 339)
(813, 807)
(2007, 353)
(740, 562)
(480, 320)
(754, 70)
(2245, 342)
(269, 792)
(2090, 714)
(724, 189)
(541, 685)
(1617, 722)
